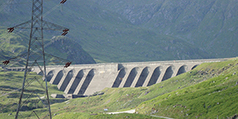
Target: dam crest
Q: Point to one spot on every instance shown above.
(86, 79)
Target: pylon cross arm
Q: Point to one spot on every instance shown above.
(55, 27)
(25, 25)
(46, 26)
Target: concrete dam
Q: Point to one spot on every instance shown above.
(86, 79)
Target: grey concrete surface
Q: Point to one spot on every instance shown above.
(86, 79)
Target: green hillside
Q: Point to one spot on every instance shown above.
(208, 91)
(211, 25)
(214, 97)
(10, 86)
(129, 31)
(104, 116)
(211, 84)
(106, 35)
(59, 50)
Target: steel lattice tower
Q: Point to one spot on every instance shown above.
(36, 44)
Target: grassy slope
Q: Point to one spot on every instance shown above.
(103, 116)
(211, 98)
(210, 85)
(203, 79)
(11, 81)
(15, 44)
(11, 43)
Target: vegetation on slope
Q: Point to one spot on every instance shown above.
(106, 35)
(10, 88)
(103, 116)
(205, 76)
(208, 91)
(58, 50)
(11, 45)
(215, 97)
(210, 25)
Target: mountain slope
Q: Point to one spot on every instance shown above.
(208, 91)
(211, 25)
(59, 50)
(106, 35)
(213, 98)
(65, 48)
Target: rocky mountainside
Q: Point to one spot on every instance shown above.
(138, 30)
(63, 47)
(211, 25)
(59, 50)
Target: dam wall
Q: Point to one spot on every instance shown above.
(86, 79)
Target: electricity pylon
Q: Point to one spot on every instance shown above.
(36, 43)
